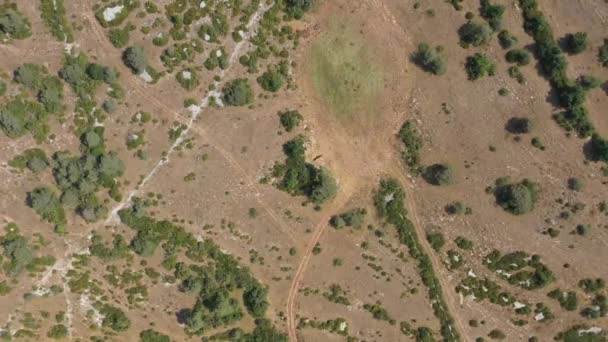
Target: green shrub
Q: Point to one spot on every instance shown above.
(474, 33)
(492, 13)
(479, 65)
(13, 24)
(436, 240)
(519, 56)
(588, 82)
(119, 37)
(463, 243)
(114, 318)
(575, 184)
(598, 148)
(47, 89)
(430, 59)
(34, 159)
(517, 198)
(271, 80)
(506, 39)
(567, 300)
(53, 14)
(497, 335)
(187, 78)
(602, 53)
(290, 119)
(150, 335)
(237, 92)
(576, 43)
(519, 125)
(439, 174)
(46, 204)
(297, 8)
(135, 58)
(412, 142)
(592, 285)
(57, 332)
(580, 333)
(353, 218)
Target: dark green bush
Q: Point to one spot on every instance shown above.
(576, 43)
(474, 33)
(34, 159)
(412, 142)
(492, 13)
(119, 37)
(150, 335)
(519, 125)
(237, 92)
(297, 8)
(439, 174)
(430, 59)
(602, 53)
(271, 80)
(517, 198)
(506, 39)
(479, 65)
(135, 58)
(57, 332)
(519, 56)
(46, 204)
(290, 119)
(436, 240)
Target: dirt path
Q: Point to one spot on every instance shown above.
(448, 295)
(334, 207)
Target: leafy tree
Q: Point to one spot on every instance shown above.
(237, 92)
(290, 119)
(324, 186)
(519, 125)
(13, 24)
(598, 148)
(474, 33)
(519, 56)
(255, 301)
(34, 159)
(430, 59)
(516, 198)
(297, 8)
(439, 174)
(478, 66)
(576, 43)
(114, 318)
(135, 58)
(18, 252)
(150, 335)
(46, 204)
(271, 80)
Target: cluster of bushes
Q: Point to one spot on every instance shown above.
(34, 159)
(484, 289)
(46, 204)
(214, 284)
(516, 198)
(13, 24)
(353, 218)
(18, 255)
(118, 250)
(47, 89)
(114, 318)
(436, 240)
(567, 300)
(592, 285)
(237, 92)
(516, 263)
(273, 79)
(84, 78)
(336, 295)
(580, 333)
(53, 14)
(119, 37)
(492, 13)
(290, 119)
(478, 66)
(412, 142)
(389, 202)
(378, 312)
(217, 58)
(336, 326)
(301, 178)
(598, 308)
(430, 59)
(150, 335)
(553, 65)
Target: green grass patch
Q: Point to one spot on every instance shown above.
(343, 72)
